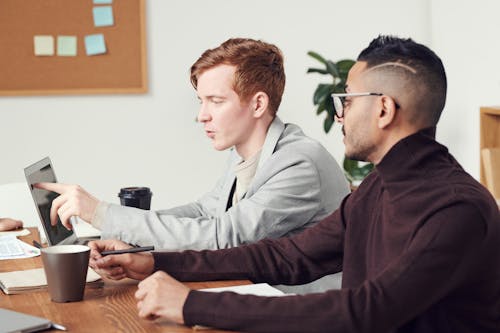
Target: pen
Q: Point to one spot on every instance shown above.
(130, 250)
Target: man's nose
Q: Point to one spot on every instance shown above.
(203, 114)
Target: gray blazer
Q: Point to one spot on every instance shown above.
(297, 183)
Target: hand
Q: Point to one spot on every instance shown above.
(161, 296)
(7, 224)
(136, 266)
(73, 201)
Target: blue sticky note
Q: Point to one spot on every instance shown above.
(103, 2)
(103, 16)
(94, 44)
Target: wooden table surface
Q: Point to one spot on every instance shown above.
(111, 308)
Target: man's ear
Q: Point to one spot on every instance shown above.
(387, 113)
(259, 104)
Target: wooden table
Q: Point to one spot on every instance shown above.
(111, 308)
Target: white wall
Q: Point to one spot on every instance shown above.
(465, 34)
(106, 142)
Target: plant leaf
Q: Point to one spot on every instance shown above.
(331, 67)
(355, 170)
(349, 165)
(321, 107)
(327, 124)
(345, 65)
(366, 169)
(339, 87)
(317, 57)
(329, 106)
(317, 70)
(322, 91)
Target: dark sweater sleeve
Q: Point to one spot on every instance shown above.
(296, 260)
(444, 251)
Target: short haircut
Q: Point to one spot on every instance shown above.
(259, 67)
(418, 65)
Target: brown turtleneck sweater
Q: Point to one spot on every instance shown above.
(418, 243)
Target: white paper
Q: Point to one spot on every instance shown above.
(258, 289)
(28, 250)
(22, 232)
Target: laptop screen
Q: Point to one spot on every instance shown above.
(38, 172)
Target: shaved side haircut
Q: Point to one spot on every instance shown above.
(415, 70)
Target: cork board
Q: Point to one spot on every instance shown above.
(122, 69)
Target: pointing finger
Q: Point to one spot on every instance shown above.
(57, 203)
(65, 213)
(53, 187)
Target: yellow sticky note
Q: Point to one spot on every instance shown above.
(44, 45)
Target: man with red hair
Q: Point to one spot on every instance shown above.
(278, 181)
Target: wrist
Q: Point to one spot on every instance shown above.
(99, 215)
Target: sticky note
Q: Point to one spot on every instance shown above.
(103, 2)
(94, 44)
(103, 16)
(66, 46)
(44, 45)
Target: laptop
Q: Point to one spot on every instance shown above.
(13, 321)
(42, 171)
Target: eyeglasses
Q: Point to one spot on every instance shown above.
(340, 99)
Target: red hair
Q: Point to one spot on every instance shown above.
(259, 67)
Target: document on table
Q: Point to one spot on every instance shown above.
(17, 232)
(258, 289)
(13, 248)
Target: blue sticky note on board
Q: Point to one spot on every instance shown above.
(94, 44)
(103, 2)
(103, 16)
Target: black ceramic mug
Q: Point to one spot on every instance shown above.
(139, 197)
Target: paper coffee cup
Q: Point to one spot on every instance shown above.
(138, 197)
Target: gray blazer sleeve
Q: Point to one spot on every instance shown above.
(297, 183)
(286, 201)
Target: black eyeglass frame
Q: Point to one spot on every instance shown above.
(339, 100)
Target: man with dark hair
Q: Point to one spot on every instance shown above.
(399, 62)
(418, 241)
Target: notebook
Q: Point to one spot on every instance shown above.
(19, 282)
(13, 321)
(42, 171)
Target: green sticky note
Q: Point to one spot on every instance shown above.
(44, 45)
(103, 2)
(94, 44)
(66, 46)
(103, 16)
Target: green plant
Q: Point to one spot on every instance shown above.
(355, 171)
